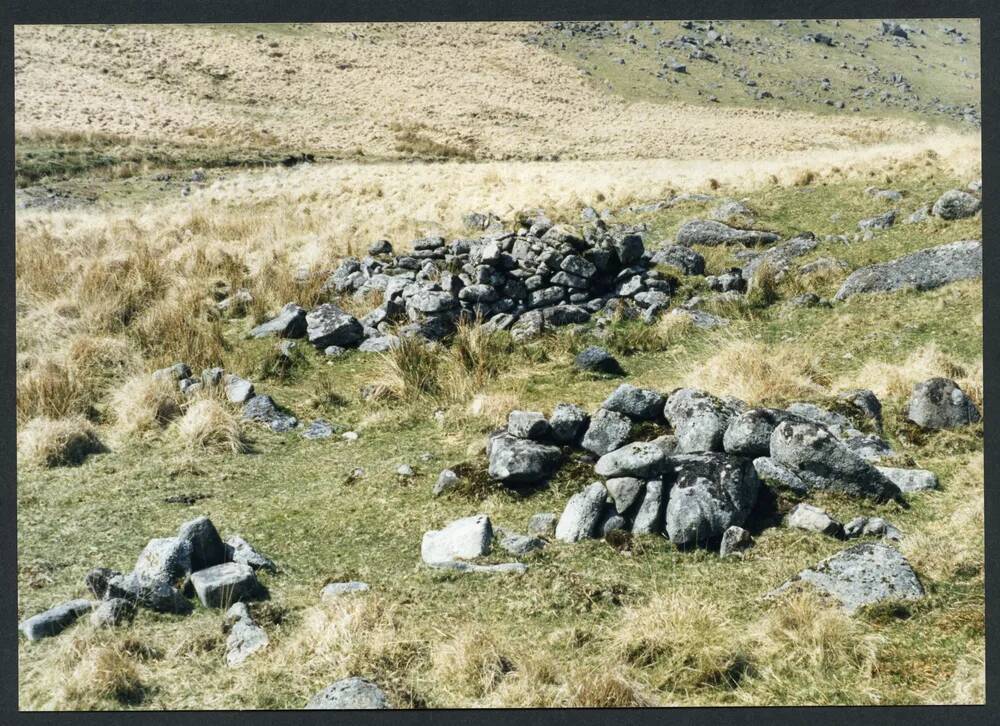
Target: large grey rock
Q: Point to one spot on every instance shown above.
(527, 425)
(176, 372)
(597, 360)
(583, 511)
(262, 409)
(568, 423)
(956, 204)
(770, 471)
(350, 694)
(245, 637)
(157, 596)
(464, 538)
(607, 431)
(238, 390)
(289, 323)
(624, 491)
(521, 461)
(644, 459)
(699, 419)
(379, 344)
(222, 585)
(813, 519)
(923, 270)
(649, 517)
(780, 257)
(711, 233)
(329, 325)
(683, 258)
(734, 541)
(643, 404)
(711, 492)
(749, 433)
(166, 559)
(838, 424)
(938, 403)
(241, 551)
(519, 545)
(822, 462)
(910, 480)
(862, 575)
(207, 547)
(879, 221)
(866, 403)
(54, 620)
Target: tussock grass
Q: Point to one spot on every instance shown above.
(895, 380)
(51, 389)
(144, 404)
(470, 664)
(45, 442)
(208, 424)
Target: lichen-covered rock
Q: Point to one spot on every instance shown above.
(910, 480)
(222, 585)
(813, 519)
(773, 473)
(542, 524)
(699, 419)
(816, 457)
(112, 612)
(649, 517)
(165, 559)
(643, 459)
(54, 620)
(289, 323)
(464, 538)
(527, 425)
(597, 360)
(582, 514)
(262, 409)
(239, 550)
(938, 403)
(749, 433)
(624, 491)
(683, 258)
(734, 541)
(329, 325)
(245, 637)
(643, 404)
(862, 575)
(334, 590)
(710, 492)
(521, 461)
(568, 422)
(956, 204)
(607, 431)
(349, 694)
(207, 547)
(711, 233)
(923, 270)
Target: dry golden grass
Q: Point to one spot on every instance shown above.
(45, 442)
(890, 379)
(50, 389)
(470, 664)
(758, 373)
(208, 424)
(145, 404)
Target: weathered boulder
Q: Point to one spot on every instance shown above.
(521, 461)
(683, 258)
(711, 233)
(350, 694)
(222, 585)
(649, 517)
(112, 612)
(165, 559)
(333, 590)
(643, 404)
(866, 403)
(207, 547)
(813, 519)
(711, 492)
(773, 473)
(289, 323)
(446, 480)
(734, 541)
(749, 433)
(644, 459)
(608, 430)
(245, 638)
(598, 360)
(862, 575)
(923, 270)
(241, 551)
(464, 538)
(329, 325)
(527, 425)
(518, 544)
(956, 204)
(624, 491)
(938, 403)
(262, 409)
(568, 422)
(157, 596)
(778, 258)
(238, 390)
(54, 620)
(542, 524)
(879, 221)
(582, 514)
(910, 480)
(699, 419)
(318, 429)
(816, 457)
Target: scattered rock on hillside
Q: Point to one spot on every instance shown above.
(879, 221)
(598, 360)
(910, 480)
(813, 519)
(778, 258)
(862, 575)
(527, 425)
(207, 547)
(222, 585)
(711, 492)
(241, 551)
(816, 457)
(446, 480)
(518, 544)
(245, 638)
(318, 429)
(683, 258)
(112, 612)
(333, 590)
(735, 540)
(54, 620)
(289, 323)
(262, 409)
(711, 233)
(464, 538)
(700, 319)
(349, 694)
(164, 559)
(866, 403)
(542, 524)
(329, 325)
(923, 270)
(956, 204)
(938, 403)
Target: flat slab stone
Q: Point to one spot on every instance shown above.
(923, 270)
(464, 538)
(54, 620)
(338, 589)
(862, 575)
(504, 568)
(910, 480)
(223, 585)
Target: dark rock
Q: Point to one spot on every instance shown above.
(329, 325)
(598, 360)
(207, 548)
(608, 430)
(938, 403)
(520, 461)
(289, 323)
(711, 492)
